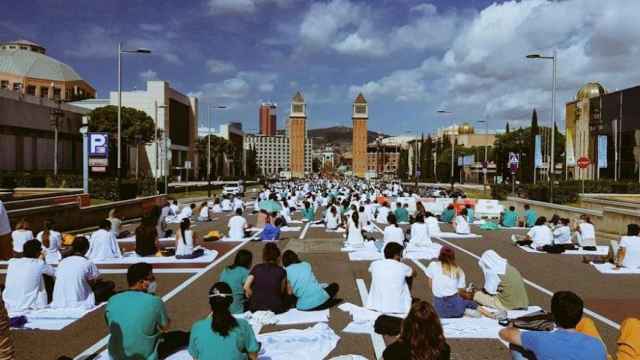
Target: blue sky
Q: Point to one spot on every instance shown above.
(409, 57)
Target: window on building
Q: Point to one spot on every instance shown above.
(361, 109)
(4, 84)
(56, 93)
(17, 86)
(298, 108)
(44, 92)
(31, 90)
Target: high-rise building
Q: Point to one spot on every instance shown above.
(268, 119)
(297, 135)
(360, 117)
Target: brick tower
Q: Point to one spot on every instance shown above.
(360, 117)
(297, 135)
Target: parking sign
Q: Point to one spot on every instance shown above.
(98, 144)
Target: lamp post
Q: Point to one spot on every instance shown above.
(210, 113)
(120, 52)
(485, 167)
(453, 148)
(155, 140)
(554, 59)
(54, 117)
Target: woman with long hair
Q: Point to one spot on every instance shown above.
(266, 284)
(185, 242)
(51, 242)
(354, 234)
(147, 243)
(235, 275)
(222, 336)
(447, 280)
(421, 336)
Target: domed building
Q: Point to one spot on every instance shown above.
(25, 67)
(589, 90)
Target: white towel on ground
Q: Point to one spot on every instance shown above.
(601, 250)
(608, 268)
(132, 258)
(52, 319)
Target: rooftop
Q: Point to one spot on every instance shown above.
(35, 65)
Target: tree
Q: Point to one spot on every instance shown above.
(426, 159)
(506, 130)
(403, 165)
(252, 163)
(221, 151)
(531, 162)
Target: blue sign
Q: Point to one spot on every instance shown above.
(602, 151)
(98, 144)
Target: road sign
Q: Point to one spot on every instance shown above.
(100, 169)
(98, 144)
(513, 158)
(187, 164)
(583, 162)
(98, 162)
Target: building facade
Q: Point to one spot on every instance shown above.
(297, 131)
(360, 118)
(25, 67)
(27, 133)
(176, 116)
(267, 119)
(273, 154)
(382, 160)
(465, 135)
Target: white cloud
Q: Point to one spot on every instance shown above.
(222, 7)
(152, 27)
(323, 21)
(219, 67)
(354, 44)
(245, 85)
(148, 75)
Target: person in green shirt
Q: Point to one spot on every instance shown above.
(504, 288)
(448, 214)
(138, 321)
(402, 213)
(235, 276)
(510, 217)
(470, 213)
(530, 216)
(308, 213)
(221, 335)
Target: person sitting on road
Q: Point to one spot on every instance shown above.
(51, 241)
(103, 243)
(421, 336)
(20, 236)
(562, 233)
(530, 216)
(393, 232)
(203, 215)
(448, 214)
(332, 218)
(460, 223)
(510, 217)
(354, 230)
(420, 236)
(216, 208)
(78, 283)
(470, 213)
(226, 205)
(186, 242)
(115, 221)
(563, 343)
(432, 224)
(237, 226)
(235, 276)
(186, 212)
(270, 231)
(446, 280)
(221, 335)
(402, 213)
(266, 284)
(390, 283)
(308, 213)
(629, 252)
(138, 320)
(24, 284)
(285, 213)
(304, 286)
(174, 208)
(503, 285)
(237, 203)
(539, 235)
(147, 243)
(585, 234)
(382, 214)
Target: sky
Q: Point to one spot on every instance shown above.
(410, 58)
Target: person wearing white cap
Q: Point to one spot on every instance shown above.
(503, 285)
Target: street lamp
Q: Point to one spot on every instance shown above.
(155, 140)
(210, 113)
(120, 52)
(54, 117)
(554, 59)
(453, 147)
(485, 167)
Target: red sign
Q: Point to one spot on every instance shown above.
(583, 162)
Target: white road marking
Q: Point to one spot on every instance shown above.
(304, 231)
(104, 341)
(376, 339)
(587, 311)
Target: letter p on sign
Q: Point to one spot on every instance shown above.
(98, 144)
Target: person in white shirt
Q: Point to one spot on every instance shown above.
(115, 222)
(24, 285)
(237, 226)
(354, 236)
(332, 218)
(5, 234)
(390, 280)
(585, 233)
(420, 236)
(78, 282)
(285, 213)
(383, 213)
(460, 223)
(562, 232)
(432, 224)
(629, 252)
(204, 212)
(226, 205)
(174, 208)
(446, 280)
(51, 241)
(103, 244)
(162, 219)
(186, 212)
(238, 203)
(185, 242)
(538, 236)
(393, 232)
(216, 208)
(20, 236)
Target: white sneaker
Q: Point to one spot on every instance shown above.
(472, 313)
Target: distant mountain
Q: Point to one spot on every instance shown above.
(340, 136)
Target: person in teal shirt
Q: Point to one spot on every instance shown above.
(304, 285)
(221, 335)
(308, 213)
(470, 214)
(402, 213)
(235, 276)
(138, 320)
(448, 214)
(510, 217)
(530, 216)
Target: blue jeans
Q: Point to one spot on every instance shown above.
(453, 306)
(520, 353)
